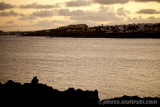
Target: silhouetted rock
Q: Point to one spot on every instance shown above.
(38, 94)
(34, 80)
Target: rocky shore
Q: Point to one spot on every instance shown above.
(37, 94)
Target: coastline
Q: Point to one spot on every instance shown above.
(35, 93)
(95, 35)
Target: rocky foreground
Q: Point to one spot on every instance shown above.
(34, 93)
(38, 94)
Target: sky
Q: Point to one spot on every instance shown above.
(31, 15)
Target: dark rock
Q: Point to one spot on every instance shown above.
(38, 94)
(34, 80)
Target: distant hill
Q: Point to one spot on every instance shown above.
(116, 31)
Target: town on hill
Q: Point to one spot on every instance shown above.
(144, 30)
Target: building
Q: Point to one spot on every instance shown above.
(77, 26)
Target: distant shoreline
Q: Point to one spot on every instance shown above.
(124, 37)
(97, 35)
(143, 30)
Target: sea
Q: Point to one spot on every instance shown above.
(115, 67)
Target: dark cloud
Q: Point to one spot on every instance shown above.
(10, 13)
(44, 13)
(104, 14)
(38, 6)
(4, 6)
(150, 19)
(64, 12)
(27, 17)
(46, 24)
(136, 20)
(108, 2)
(34, 15)
(111, 1)
(122, 12)
(148, 11)
(77, 3)
(97, 16)
(67, 12)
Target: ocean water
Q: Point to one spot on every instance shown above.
(115, 67)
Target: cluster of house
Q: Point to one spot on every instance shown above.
(72, 27)
(113, 28)
(78, 28)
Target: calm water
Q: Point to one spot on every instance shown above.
(115, 67)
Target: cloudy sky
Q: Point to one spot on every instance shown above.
(33, 15)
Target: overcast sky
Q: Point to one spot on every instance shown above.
(33, 15)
